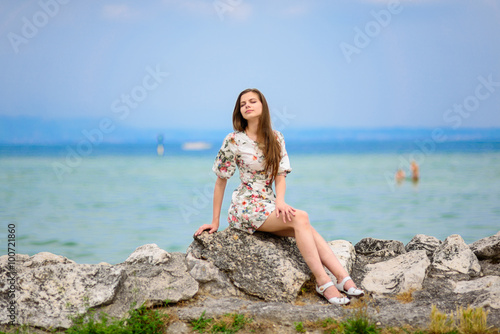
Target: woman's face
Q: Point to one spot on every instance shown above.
(250, 106)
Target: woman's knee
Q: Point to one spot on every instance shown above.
(301, 219)
(302, 215)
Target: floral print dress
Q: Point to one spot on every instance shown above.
(254, 199)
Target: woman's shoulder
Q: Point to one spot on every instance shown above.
(278, 135)
(234, 137)
(234, 134)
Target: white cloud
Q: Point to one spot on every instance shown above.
(296, 10)
(12, 13)
(240, 12)
(197, 7)
(117, 12)
(237, 10)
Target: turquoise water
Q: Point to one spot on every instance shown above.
(111, 204)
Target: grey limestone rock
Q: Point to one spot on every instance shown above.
(423, 242)
(485, 289)
(47, 296)
(148, 254)
(179, 327)
(51, 289)
(261, 265)
(372, 247)
(153, 284)
(454, 258)
(487, 248)
(211, 279)
(345, 252)
(216, 281)
(397, 275)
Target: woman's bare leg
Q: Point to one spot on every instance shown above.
(330, 261)
(300, 228)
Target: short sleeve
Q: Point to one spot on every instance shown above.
(284, 167)
(225, 162)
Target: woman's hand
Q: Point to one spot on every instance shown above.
(285, 210)
(210, 227)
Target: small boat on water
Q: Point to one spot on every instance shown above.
(196, 146)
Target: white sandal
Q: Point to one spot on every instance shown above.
(333, 300)
(352, 292)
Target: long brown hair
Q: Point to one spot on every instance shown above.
(265, 134)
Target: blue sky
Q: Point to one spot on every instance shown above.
(181, 63)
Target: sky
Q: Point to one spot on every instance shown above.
(180, 64)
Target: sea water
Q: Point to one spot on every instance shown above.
(106, 205)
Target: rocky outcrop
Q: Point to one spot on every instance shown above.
(423, 242)
(486, 289)
(212, 280)
(378, 248)
(487, 248)
(260, 275)
(454, 258)
(149, 254)
(400, 274)
(52, 289)
(48, 295)
(260, 265)
(345, 252)
(153, 284)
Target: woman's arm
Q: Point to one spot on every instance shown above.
(286, 210)
(220, 187)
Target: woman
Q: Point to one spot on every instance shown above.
(260, 154)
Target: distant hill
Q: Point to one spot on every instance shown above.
(33, 130)
(43, 131)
